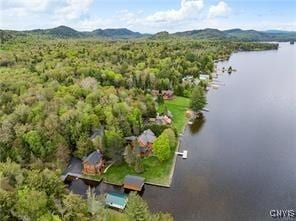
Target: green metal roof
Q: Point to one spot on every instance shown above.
(116, 200)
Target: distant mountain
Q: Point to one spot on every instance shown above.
(67, 32)
(204, 33)
(60, 31)
(238, 34)
(116, 33)
(278, 31)
(123, 33)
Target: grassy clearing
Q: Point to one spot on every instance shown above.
(178, 107)
(155, 171)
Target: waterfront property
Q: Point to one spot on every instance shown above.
(204, 77)
(146, 139)
(93, 163)
(116, 200)
(166, 94)
(161, 120)
(143, 143)
(135, 183)
(177, 106)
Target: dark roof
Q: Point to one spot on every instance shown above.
(130, 138)
(133, 182)
(94, 157)
(147, 137)
(97, 132)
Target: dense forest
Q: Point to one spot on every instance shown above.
(56, 92)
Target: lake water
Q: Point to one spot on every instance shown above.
(242, 155)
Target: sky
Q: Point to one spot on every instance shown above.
(148, 16)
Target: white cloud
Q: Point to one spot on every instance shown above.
(73, 9)
(221, 9)
(188, 8)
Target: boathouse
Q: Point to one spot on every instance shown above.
(135, 183)
(116, 200)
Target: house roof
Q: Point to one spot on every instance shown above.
(97, 132)
(147, 137)
(133, 182)
(204, 77)
(130, 138)
(94, 157)
(116, 200)
(167, 92)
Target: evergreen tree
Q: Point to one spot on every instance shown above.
(137, 208)
(198, 99)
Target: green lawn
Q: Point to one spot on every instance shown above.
(178, 107)
(155, 171)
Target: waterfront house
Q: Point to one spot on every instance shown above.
(204, 77)
(163, 120)
(146, 139)
(142, 144)
(190, 80)
(166, 94)
(93, 163)
(135, 183)
(116, 200)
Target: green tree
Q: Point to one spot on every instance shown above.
(129, 155)
(75, 208)
(198, 99)
(34, 141)
(113, 144)
(84, 147)
(172, 137)
(7, 201)
(161, 147)
(139, 167)
(137, 208)
(47, 181)
(30, 204)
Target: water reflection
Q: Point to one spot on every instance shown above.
(197, 124)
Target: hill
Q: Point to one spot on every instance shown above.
(123, 33)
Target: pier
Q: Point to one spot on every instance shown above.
(183, 154)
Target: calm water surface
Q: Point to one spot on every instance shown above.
(242, 156)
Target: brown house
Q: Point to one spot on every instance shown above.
(146, 139)
(142, 144)
(166, 94)
(93, 163)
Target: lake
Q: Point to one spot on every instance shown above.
(242, 154)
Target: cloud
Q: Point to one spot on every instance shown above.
(73, 9)
(188, 8)
(221, 9)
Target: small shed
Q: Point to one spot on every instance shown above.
(116, 200)
(133, 182)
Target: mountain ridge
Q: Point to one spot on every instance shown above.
(63, 31)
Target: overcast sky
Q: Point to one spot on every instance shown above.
(149, 16)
